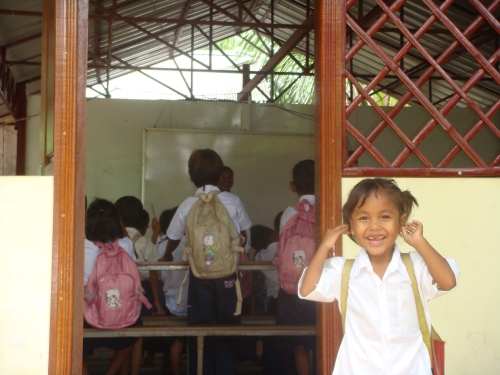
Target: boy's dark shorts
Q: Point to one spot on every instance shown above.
(291, 310)
(113, 343)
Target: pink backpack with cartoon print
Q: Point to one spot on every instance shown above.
(113, 294)
(296, 246)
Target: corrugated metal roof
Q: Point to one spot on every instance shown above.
(137, 48)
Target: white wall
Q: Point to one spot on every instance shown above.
(25, 273)
(461, 218)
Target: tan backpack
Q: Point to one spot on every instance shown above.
(212, 242)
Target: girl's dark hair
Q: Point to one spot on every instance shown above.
(403, 200)
(130, 209)
(205, 167)
(166, 218)
(261, 237)
(103, 222)
(226, 168)
(303, 176)
(144, 219)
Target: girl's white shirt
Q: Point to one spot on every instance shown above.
(382, 335)
(92, 250)
(146, 250)
(172, 279)
(271, 276)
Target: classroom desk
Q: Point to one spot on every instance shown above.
(184, 266)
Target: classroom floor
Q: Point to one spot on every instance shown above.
(99, 362)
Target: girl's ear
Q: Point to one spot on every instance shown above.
(403, 219)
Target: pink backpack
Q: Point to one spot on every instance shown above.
(113, 294)
(296, 246)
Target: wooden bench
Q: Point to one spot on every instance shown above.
(201, 332)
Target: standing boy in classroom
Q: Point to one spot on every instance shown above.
(291, 310)
(210, 301)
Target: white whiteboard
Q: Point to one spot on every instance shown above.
(262, 165)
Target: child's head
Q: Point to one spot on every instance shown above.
(130, 209)
(226, 179)
(277, 223)
(144, 222)
(165, 219)
(103, 222)
(261, 237)
(303, 177)
(374, 208)
(205, 167)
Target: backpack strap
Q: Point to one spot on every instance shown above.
(344, 288)
(422, 322)
(238, 295)
(134, 240)
(179, 296)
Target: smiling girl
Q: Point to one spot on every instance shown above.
(382, 334)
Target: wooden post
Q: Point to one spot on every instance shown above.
(20, 109)
(329, 64)
(65, 55)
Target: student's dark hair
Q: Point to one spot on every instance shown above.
(261, 236)
(130, 209)
(277, 222)
(303, 176)
(403, 200)
(103, 222)
(166, 218)
(144, 219)
(205, 167)
(226, 168)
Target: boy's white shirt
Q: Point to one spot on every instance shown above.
(232, 203)
(146, 251)
(271, 276)
(92, 250)
(172, 280)
(382, 335)
(290, 211)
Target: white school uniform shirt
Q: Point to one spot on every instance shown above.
(290, 211)
(92, 250)
(146, 251)
(232, 203)
(172, 279)
(382, 334)
(271, 276)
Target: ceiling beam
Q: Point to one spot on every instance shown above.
(178, 32)
(287, 47)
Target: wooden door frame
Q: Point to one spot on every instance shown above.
(65, 36)
(329, 45)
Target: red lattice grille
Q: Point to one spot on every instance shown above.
(440, 62)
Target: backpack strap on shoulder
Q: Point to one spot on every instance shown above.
(422, 322)
(344, 288)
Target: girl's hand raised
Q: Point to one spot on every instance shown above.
(413, 232)
(332, 235)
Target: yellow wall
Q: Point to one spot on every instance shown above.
(461, 218)
(25, 272)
